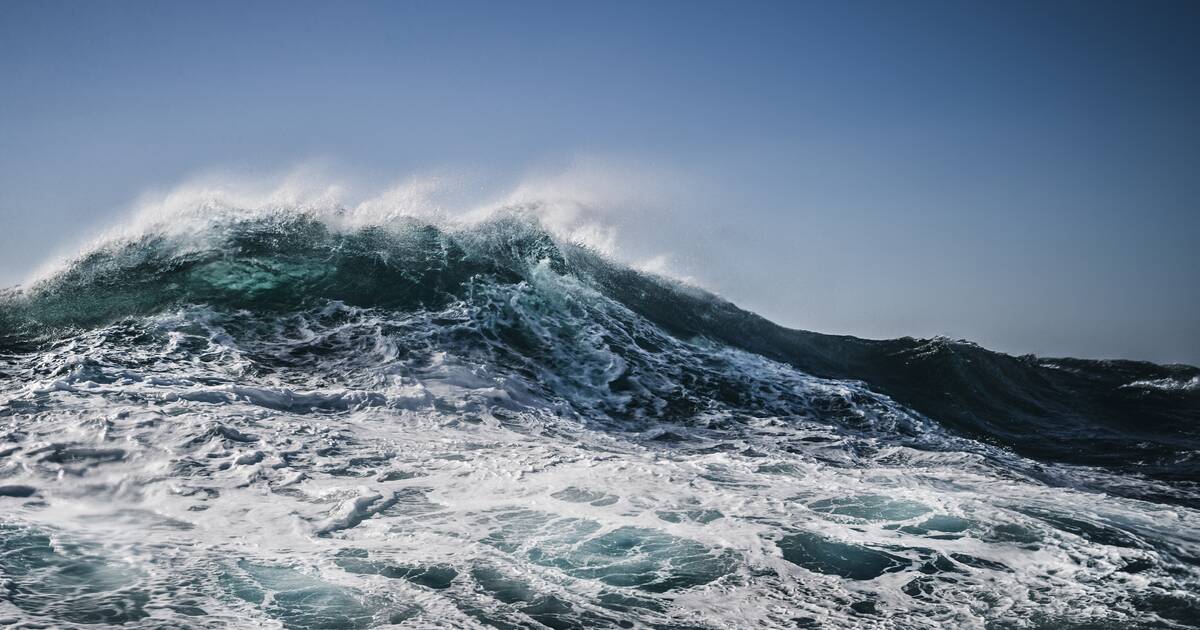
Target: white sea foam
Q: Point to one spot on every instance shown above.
(386, 480)
(1168, 384)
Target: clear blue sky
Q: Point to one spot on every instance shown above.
(1023, 174)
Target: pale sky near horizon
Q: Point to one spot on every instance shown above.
(1022, 174)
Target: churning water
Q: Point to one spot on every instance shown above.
(272, 419)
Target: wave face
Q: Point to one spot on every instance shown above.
(271, 420)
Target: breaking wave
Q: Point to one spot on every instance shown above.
(291, 418)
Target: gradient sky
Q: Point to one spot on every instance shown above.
(1026, 175)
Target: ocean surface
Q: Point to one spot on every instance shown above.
(286, 419)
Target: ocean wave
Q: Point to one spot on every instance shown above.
(284, 417)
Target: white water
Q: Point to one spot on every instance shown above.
(357, 468)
